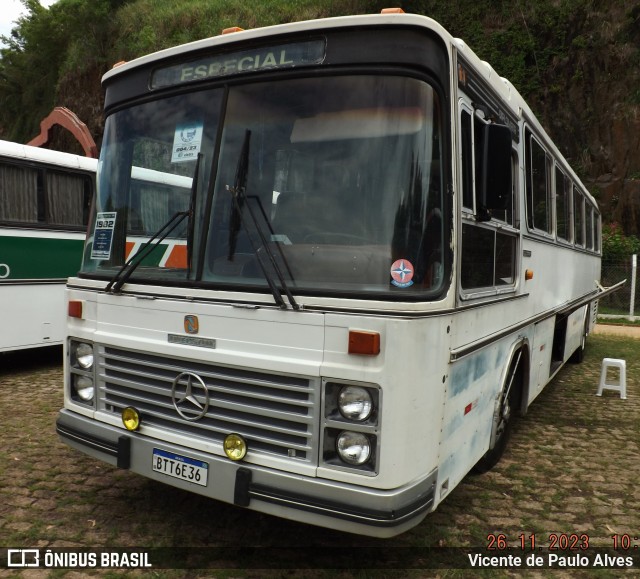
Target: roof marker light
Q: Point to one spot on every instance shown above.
(232, 29)
(392, 11)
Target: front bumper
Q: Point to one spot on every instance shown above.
(346, 507)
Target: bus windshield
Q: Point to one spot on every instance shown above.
(329, 184)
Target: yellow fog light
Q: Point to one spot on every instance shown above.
(131, 418)
(235, 447)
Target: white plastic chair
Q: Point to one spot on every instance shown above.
(621, 386)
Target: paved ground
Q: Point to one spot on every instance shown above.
(572, 470)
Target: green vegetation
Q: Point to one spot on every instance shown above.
(53, 51)
(47, 49)
(575, 61)
(145, 26)
(621, 321)
(616, 245)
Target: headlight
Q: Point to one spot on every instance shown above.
(81, 379)
(351, 429)
(353, 447)
(84, 355)
(355, 403)
(83, 386)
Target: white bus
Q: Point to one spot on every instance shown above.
(380, 261)
(45, 200)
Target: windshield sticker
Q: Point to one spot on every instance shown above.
(402, 273)
(103, 236)
(186, 143)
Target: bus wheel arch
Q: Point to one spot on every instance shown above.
(511, 401)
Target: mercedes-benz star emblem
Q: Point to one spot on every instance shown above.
(190, 396)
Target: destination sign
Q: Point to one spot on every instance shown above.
(245, 61)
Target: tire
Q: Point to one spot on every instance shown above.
(508, 404)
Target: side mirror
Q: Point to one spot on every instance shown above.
(493, 175)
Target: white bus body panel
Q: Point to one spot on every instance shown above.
(32, 315)
(33, 311)
(306, 343)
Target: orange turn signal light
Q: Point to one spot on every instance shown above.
(75, 309)
(528, 274)
(361, 342)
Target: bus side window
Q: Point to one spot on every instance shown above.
(563, 205)
(467, 160)
(488, 166)
(538, 207)
(596, 231)
(589, 224)
(493, 178)
(578, 217)
(18, 193)
(64, 198)
(488, 258)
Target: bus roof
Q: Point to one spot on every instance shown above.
(28, 153)
(281, 29)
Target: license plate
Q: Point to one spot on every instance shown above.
(181, 467)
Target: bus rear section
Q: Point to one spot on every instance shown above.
(45, 197)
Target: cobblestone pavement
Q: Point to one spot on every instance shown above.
(572, 468)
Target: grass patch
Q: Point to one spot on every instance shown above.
(600, 346)
(621, 321)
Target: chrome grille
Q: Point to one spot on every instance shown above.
(275, 413)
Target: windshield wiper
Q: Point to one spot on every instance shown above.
(124, 273)
(240, 200)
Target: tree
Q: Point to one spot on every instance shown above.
(46, 48)
(28, 71)
(616, 245)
